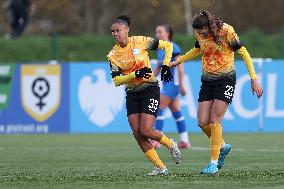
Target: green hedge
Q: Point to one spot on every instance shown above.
(95, 48)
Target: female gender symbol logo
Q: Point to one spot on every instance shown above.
(40, 89)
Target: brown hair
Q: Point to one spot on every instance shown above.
(168, 29)
(206, 20)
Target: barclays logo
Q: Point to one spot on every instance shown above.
(99, 99)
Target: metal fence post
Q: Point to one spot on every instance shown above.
(282, 41)
(53, 46)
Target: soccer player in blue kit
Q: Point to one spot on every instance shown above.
(170, 92)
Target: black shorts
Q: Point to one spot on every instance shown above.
(221, 89)
(145, 101)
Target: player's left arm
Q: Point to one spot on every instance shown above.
(248, 61)
(236, 45)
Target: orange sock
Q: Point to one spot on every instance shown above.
(166, 142)
(154, 158)
(215, 140)
(207, 131)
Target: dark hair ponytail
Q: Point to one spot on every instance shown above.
(205, 19)
(168, 29)
(123, 19)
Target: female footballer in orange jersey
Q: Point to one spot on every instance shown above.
(130, 65)
(216, 42)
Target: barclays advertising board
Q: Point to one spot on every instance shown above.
(97, 106)
(81, 98)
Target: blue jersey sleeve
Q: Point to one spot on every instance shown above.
(161, 53)
(176, 50)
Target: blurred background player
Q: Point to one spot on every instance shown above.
(171, 90)
(17, 14)
(130, 65)
(217, 41)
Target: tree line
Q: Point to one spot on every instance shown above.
(96, 16)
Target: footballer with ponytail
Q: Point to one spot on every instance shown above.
(217, 41)
(208, 22)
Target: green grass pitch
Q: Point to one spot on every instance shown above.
(114, 161)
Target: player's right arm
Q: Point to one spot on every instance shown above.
(120, 79)
(193, 53)
(181, 79)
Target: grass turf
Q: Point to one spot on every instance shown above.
(114, 161)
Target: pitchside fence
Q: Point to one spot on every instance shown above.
(79, 97)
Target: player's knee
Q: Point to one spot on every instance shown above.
(162, 106)
(145, 132)
(215, 117)
(136, 134)
(202, 123)
(174, 108)
(202, 120)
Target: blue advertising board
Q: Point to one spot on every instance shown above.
(80, 97)
(98, 106)
(39, 100)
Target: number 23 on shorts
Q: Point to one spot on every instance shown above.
(154, 104)
(229, 92)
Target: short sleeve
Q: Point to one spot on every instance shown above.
(152, 43)
(196, 44)
(233, 39)
(176, 50)
(231, 34)
(146, 42)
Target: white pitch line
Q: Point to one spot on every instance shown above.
(240, 149)
(194, 148)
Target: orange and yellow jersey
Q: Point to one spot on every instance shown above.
(218, 59)
(126, 60)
